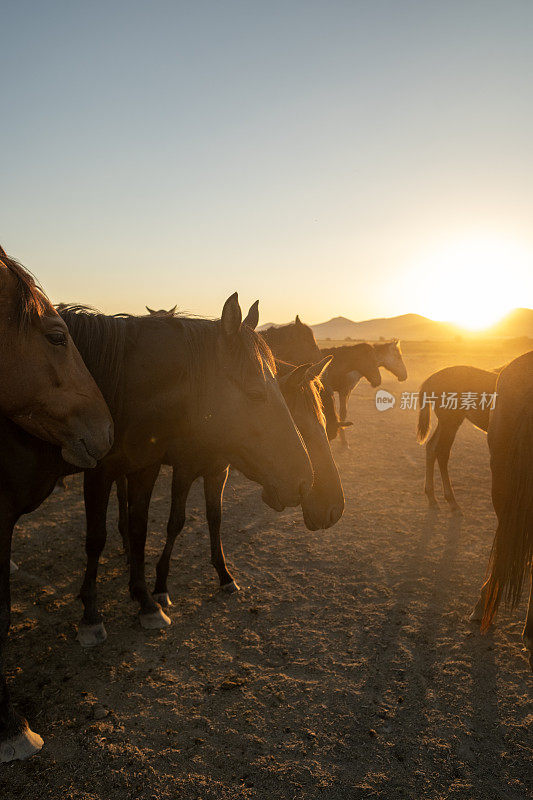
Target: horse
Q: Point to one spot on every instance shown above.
(322, 507)
(510, 438)
(350, 364)
(446, 387)
(211, 380)
(296, 344)
(44, 384)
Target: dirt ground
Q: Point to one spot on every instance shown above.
(345, 667)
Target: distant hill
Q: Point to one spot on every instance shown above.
(414, 327)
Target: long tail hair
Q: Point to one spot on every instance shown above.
(512, 550)
(424, 417)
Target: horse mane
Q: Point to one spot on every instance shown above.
(310, 391)
(31, 300)
(346, 348)
(395, 343)
(103, 341)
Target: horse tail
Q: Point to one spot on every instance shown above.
(424, 417)
(512, 549)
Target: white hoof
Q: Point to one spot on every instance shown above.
(23, 746)
(475, 616)
(230, 587)
(157, 619)
(91, 635)
(163, 599)
(13, 567)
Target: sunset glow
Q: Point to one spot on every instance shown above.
(474, 281)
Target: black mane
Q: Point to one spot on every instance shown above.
(103, 341)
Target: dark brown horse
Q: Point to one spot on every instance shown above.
(322, 507)
(351, 363)
(296, 344)
(450, 389)
(44, 384)
(162, 379)
(510, 437)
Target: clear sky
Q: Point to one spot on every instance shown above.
(363, 158)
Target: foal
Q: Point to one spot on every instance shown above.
(450, 382)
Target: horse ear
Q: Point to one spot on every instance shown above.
(231, 316)
(318, 369)
(252, 318)
(150, 310)
(297, 321)
(296, 377)
(172, 310)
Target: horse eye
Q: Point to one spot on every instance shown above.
(59, 339)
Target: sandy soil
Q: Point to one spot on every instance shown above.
(345, 668)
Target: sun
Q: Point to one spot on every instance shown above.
(473, 281)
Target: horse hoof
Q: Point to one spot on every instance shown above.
(230, 587)
(23, 746)
(155, 619)
(163, 599)
(91, 635)
(475, 616)
(13, 567)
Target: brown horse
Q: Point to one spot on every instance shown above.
(322, 507)
(294, 343)
(208, 380)
(510, 437)
(44, 384)
(188, 387)
(351, 363)
(447, 387)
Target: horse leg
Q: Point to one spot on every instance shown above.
(443, 447)
(431, 456)
(527, 634)
(343, 412)
(96, 489)
(122, 498)
(213, 491)
(176, 521)
(17, 741)
(140, 487)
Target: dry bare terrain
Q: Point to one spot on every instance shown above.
(345, 668)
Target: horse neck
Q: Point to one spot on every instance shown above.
(380, 351)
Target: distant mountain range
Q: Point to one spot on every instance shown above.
(414, 327)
